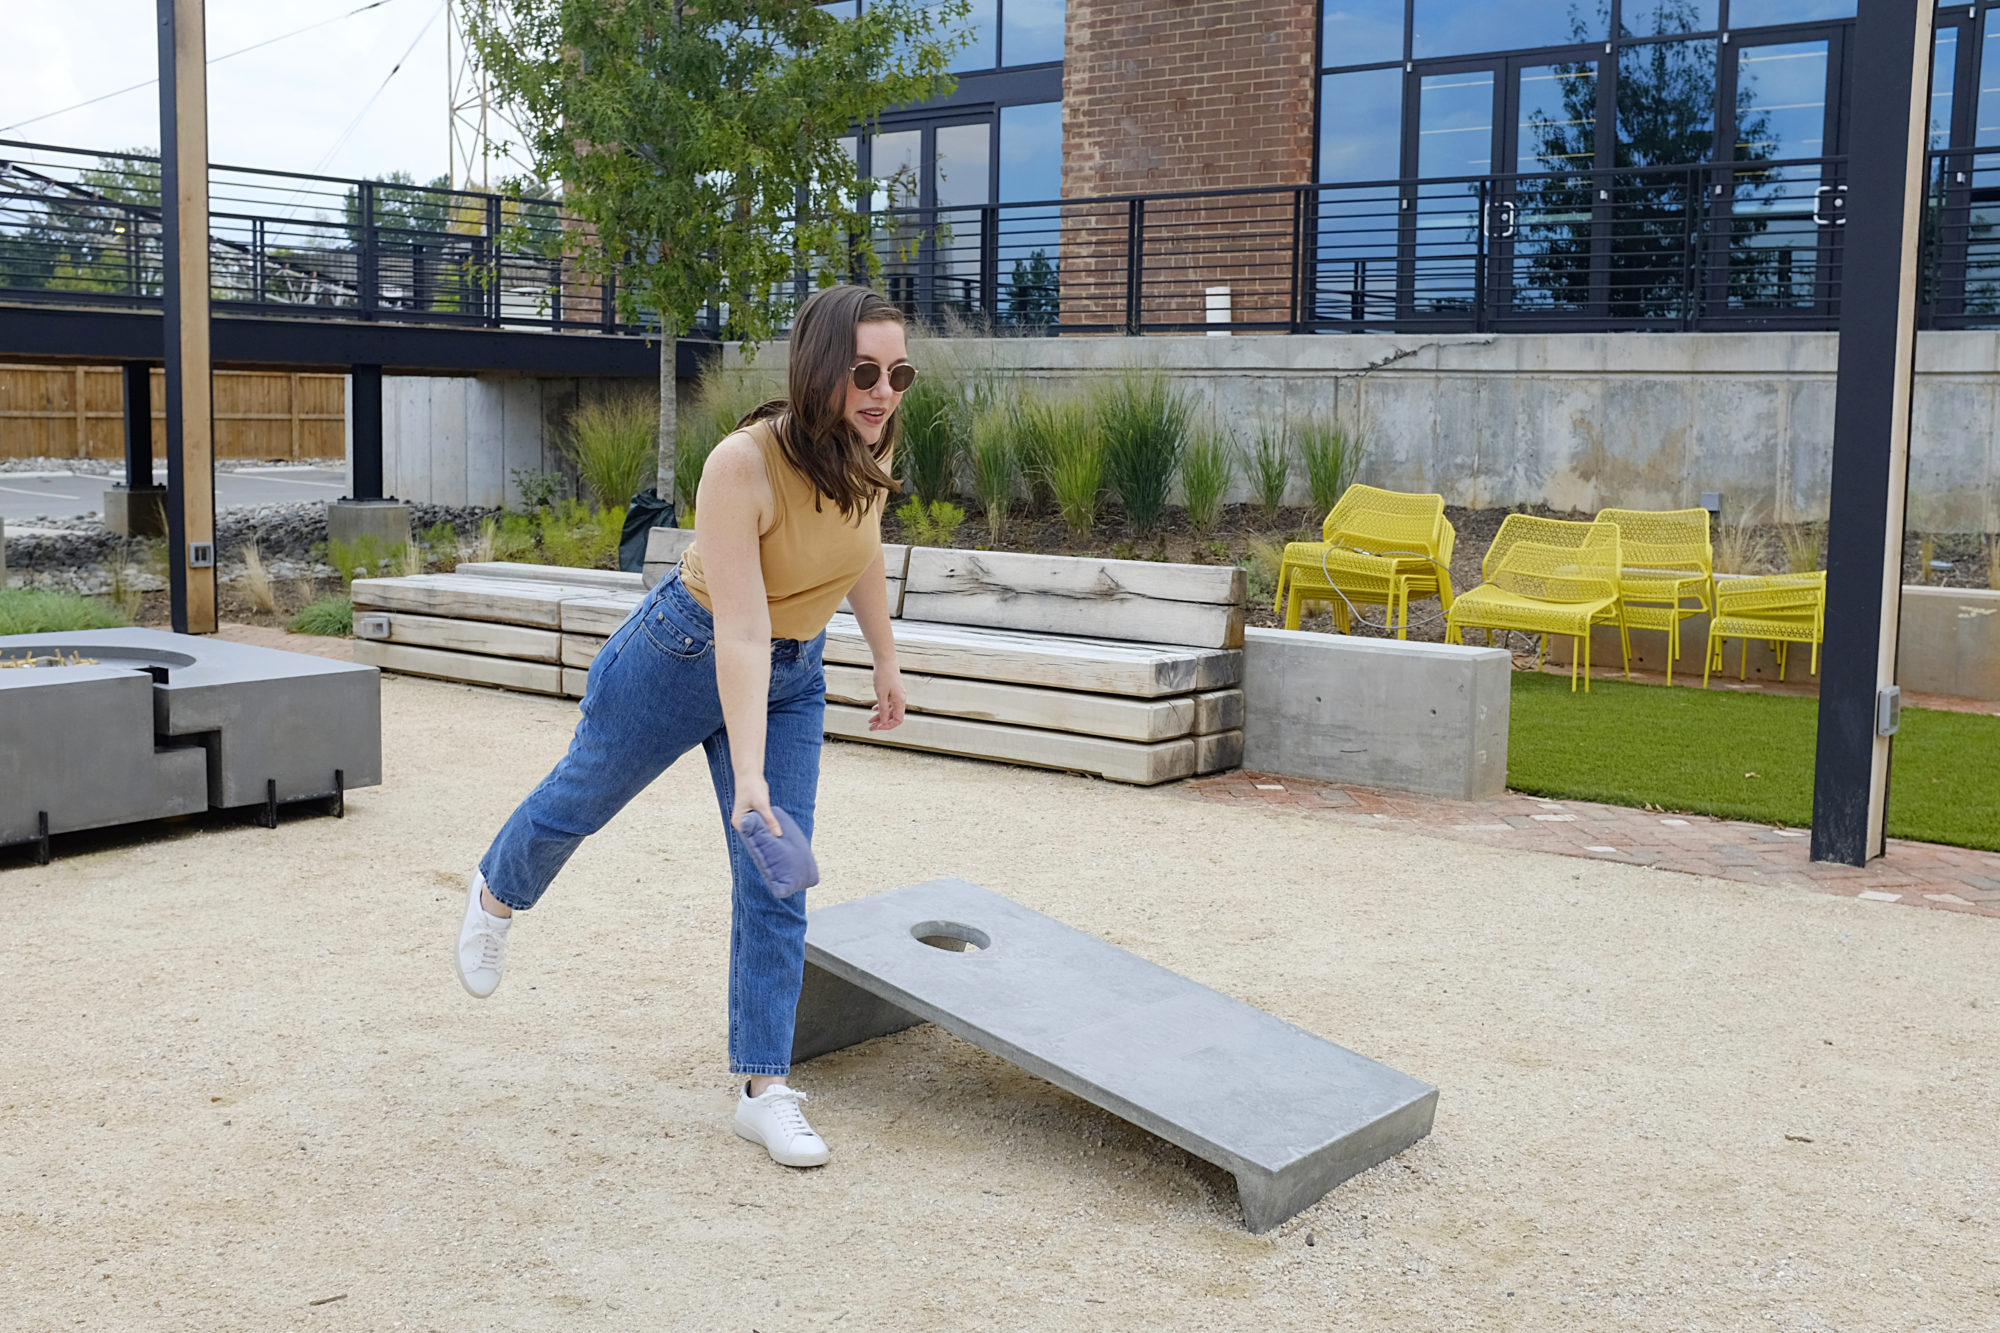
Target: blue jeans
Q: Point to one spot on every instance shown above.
(651, 698)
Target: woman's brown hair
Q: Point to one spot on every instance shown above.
(810, 421)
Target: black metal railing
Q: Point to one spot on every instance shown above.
(84, 228)
(1741, 245)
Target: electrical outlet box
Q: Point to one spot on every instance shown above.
(1888, 710)
(201, 555)
(371, 627)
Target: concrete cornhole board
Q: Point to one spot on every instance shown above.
(1289, 1114)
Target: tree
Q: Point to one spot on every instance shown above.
(699, 145)
(1034, 295)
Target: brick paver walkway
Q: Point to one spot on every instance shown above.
(1919, 874)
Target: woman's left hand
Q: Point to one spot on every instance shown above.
(889, 700)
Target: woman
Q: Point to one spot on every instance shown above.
(725, 653)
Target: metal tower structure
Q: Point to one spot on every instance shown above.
(473, 114)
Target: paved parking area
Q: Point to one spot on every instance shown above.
(26, 496)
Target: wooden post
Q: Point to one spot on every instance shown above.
(80, 404)
(1891, 52)
(185, 301)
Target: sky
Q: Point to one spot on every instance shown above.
(285, 106)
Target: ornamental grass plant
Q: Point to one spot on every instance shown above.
(1271, 466)
(614, 444)
(1332, 455)
(990, 451)
(44, 611)
(1070, 448)
(1144, 418)
(1207, 468)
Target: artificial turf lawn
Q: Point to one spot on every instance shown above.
(1742, 756)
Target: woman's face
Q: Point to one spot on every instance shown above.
(868, 410)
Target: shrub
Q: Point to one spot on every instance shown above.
(1145, 425)
(441, 544)
(719, 403)
(1261, 562)
(1739, 547)
(41, 611)
(1206, 471)
(537, 488)
(571, 534)
(329, 615)
(933, 524)
(1034, 422)
(365, 557)
(1332, 456)
(1271, 467)
(1073, 461)
(614, 443)
(994, 466)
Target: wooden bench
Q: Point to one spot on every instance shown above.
(1128, 670)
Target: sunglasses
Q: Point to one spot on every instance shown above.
(901, 375)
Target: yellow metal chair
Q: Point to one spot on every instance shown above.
(1546, 576)
(1667, 570)
(1378, 548)
(1781, 609)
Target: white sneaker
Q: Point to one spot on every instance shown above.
(482, 943)
(776, 1121)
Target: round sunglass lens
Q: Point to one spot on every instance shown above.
(866, 374)
(902, 376)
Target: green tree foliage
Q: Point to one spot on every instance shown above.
(98, 232)
(700, 146)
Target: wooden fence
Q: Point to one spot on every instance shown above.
(79, 412)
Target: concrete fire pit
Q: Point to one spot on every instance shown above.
(171, 724)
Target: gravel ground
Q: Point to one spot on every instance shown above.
(241, 1080)
(115, 467)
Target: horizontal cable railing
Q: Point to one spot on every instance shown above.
(1737, 245)
(84, 228)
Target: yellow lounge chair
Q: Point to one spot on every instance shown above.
(1546, 576)
(1379, 548)
(1666, 570)
(1781, 609)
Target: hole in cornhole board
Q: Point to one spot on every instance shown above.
(951, 936)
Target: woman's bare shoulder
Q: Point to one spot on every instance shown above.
(738, 458)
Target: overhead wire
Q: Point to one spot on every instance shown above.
(367, 106)
(213, 60)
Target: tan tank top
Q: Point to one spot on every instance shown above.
(811, 557)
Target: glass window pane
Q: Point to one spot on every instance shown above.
(895, 155)
(1780, 101)
(1031, 31)
(1455, 125)
(961, 174)
(1666, 103)
(1361, 32)
(1988, 129)
(1664, 18)
(1031, 152)
(1761, 13)
(1558, 125)
(982, 52)
(1361, 122)
(1944, 74)
(1468, 27)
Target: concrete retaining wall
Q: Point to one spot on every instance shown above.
(1575, 421)
(1422, 717)
(453, 440)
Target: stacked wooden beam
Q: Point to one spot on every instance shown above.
(1124, 669)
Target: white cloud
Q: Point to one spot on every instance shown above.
(282, 107)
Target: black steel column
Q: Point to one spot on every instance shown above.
(366, 422)
(1891, 52)
(138, 425)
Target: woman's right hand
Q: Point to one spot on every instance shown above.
(752, 793)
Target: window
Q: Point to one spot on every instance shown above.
(1031, 152)
(1361, 32)
(1031, 31)
(1763, 13)
(1666, 103)
(1455, 137)
(1665, 18)
(1363, 115)
(983, 51)
(1944, 74)
(1988, 129)
(1464, 27)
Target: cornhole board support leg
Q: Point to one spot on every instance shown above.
(1289, 1114)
